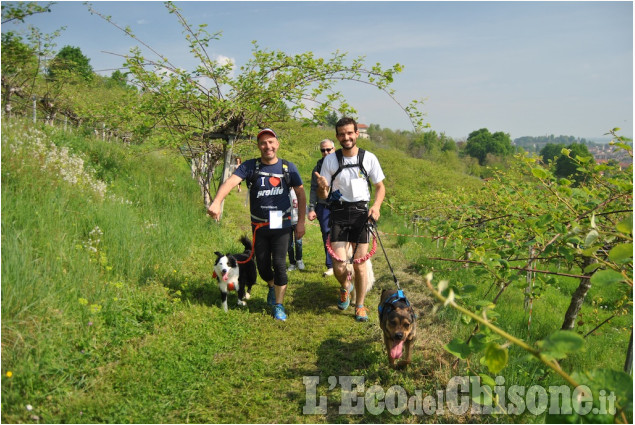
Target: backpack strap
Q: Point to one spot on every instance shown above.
(360, 165)
(285, 174)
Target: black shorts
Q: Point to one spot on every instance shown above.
(349, 222)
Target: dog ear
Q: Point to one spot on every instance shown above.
(218, 254)
(232, 261)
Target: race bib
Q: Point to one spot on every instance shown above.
(359, 188)
(275, 219)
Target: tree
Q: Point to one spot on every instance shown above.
(212, 107)
(70, 60)
(482, 142)
(119, 79)
(567, 166)
(331, 119)
(551, 151)
(19, 11)
(19, 66)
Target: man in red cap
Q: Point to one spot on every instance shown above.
(269, 180)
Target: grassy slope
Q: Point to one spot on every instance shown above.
(136, 334)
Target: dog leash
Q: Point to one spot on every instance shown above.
(389, 304)
(372, 251)
(376, 235)
(253, 241)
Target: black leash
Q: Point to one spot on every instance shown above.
(376, 234)
(399, 295)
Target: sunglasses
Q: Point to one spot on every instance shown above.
(326, 150)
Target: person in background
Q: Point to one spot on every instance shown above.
(318, 208)
(295, 243)
(349, 186)
(238, 162)
(270, 179)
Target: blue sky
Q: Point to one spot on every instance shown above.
(524, 68)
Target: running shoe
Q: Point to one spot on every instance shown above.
(279, 313)
(361, 313)
(300, 264)
(345, 299)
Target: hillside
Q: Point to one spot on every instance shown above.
(110, 313)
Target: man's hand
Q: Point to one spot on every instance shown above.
(299, 230)
(323, 186)
(374, 213)
(214, 210)
(321, 181)
(311, 216)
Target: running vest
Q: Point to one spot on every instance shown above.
(360, 165)
(285, 176)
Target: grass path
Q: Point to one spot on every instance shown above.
(206, 366)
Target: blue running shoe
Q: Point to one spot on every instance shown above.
(279, 313)
(345, 299)
(271, 296)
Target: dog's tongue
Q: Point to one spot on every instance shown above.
(225, 277)
(396, 350)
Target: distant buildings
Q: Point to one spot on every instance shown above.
(363, 131)
(606, 152)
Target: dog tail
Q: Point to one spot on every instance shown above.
(246, 243)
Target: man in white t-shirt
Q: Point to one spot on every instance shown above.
(349, 192)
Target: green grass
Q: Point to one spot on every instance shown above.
(124, 325)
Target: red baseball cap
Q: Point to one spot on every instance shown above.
(266, 130)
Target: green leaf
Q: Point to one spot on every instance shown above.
(591, 237)
(621, 252)
(459, 348)
(478, 342)
(615, 381)
(540, 173)
(561, 343)
(487, 380)
(606, 277)
(485, 397)
(467, 289)
(495, 357)
(626, 225)
(592, 267)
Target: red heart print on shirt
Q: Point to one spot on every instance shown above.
(275, 181)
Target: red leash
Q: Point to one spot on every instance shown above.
(253, 241)
(357, 260)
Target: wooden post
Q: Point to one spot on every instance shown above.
(529, 299)
(34, 109)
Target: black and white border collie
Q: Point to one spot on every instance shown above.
(233, 276)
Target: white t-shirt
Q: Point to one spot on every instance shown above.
(294, 207)
(350, 181)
